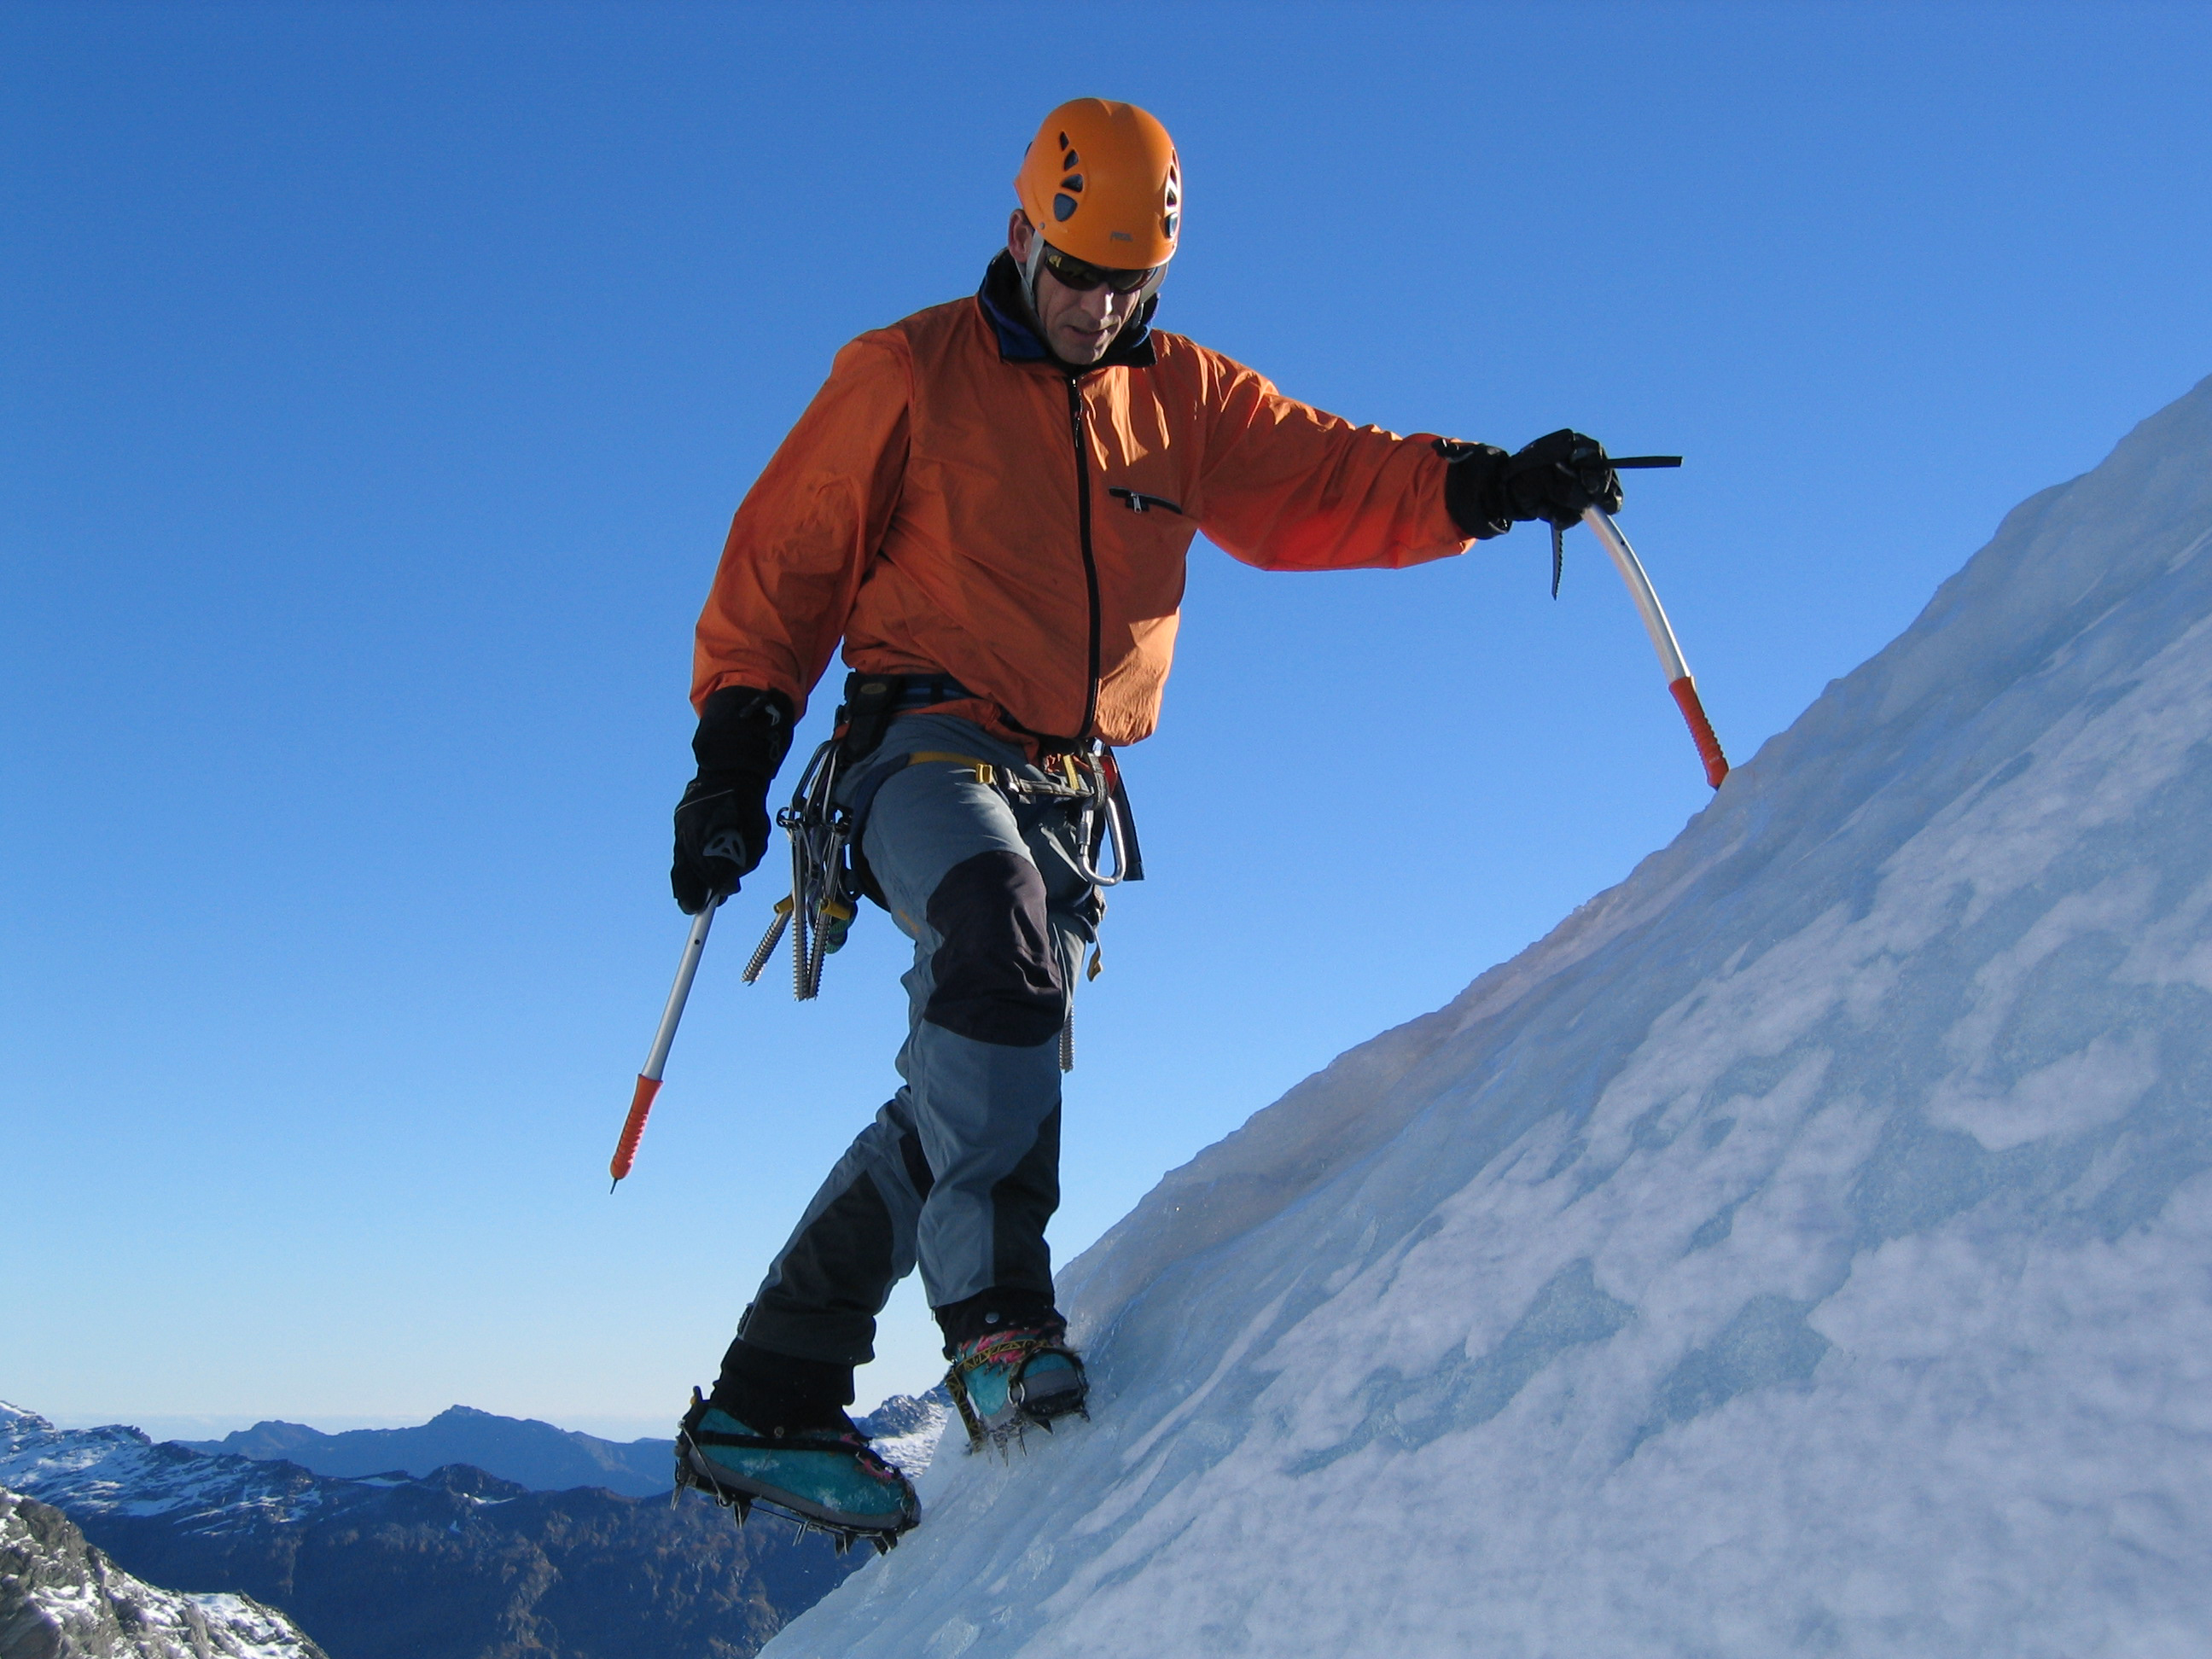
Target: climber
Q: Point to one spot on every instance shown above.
(989, 504)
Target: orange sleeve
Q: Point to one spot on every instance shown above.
(802, 539)
(1288, 487)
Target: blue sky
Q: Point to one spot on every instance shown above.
(378, 382)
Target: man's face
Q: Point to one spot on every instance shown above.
(1078, 327)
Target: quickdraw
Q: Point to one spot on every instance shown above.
(820, 909)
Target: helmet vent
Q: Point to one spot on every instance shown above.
(1074, 182)
(1063, 208)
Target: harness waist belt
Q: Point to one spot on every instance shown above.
(872, 701)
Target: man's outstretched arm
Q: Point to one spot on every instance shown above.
(1288, 487)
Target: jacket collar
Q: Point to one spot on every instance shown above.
(1008, 313)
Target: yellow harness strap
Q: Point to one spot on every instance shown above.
(986, 773)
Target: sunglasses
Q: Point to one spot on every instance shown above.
(1082, 276)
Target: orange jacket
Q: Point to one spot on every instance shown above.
(956, 501)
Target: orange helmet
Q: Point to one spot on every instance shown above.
(1101, 181)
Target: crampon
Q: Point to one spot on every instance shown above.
(827, 1481)
(1005, 1383)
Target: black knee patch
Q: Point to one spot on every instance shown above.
(997, 976)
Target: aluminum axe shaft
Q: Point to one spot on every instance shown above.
(649, 1081)
(1678, 683)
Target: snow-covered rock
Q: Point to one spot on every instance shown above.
(62, 1599)
(906, 1427)
(117, 1470)
(1806, 1249)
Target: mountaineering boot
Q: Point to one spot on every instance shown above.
(825, 1476)
(1002, 1382)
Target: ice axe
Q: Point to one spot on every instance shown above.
(649, 1081)
(1679, 685)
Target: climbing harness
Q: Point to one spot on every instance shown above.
(828, 880)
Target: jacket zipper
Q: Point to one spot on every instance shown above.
(1090, 558)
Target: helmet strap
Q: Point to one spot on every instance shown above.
(1030, 266)
(1140, 312)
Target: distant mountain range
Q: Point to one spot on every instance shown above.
(521, 1450)
(538, 1454)
(455, 1563)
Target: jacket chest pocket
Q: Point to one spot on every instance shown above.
(1144, 537)
(1138, 500)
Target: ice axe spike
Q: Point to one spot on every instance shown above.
(1678, 683)
(649, 1081)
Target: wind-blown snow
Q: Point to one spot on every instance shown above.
(1807, 1248)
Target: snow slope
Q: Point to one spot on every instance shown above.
(1806, 1249)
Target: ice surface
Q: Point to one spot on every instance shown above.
(1806, 1249)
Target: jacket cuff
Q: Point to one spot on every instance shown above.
(742, 729)
(1475, 488)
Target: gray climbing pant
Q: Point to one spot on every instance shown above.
(960, 1170)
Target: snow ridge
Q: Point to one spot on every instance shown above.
(118, 1470)
(1806, 1248)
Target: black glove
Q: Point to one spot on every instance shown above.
(1558, 475)
(721, 822)
(1488, 491)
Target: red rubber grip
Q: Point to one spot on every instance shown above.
(641, 1107)
(1701, 729)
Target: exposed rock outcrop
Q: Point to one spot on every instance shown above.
(60, 1598)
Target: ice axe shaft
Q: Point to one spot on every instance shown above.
(1560, 525)
(649, 1081)
(1678, 683)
